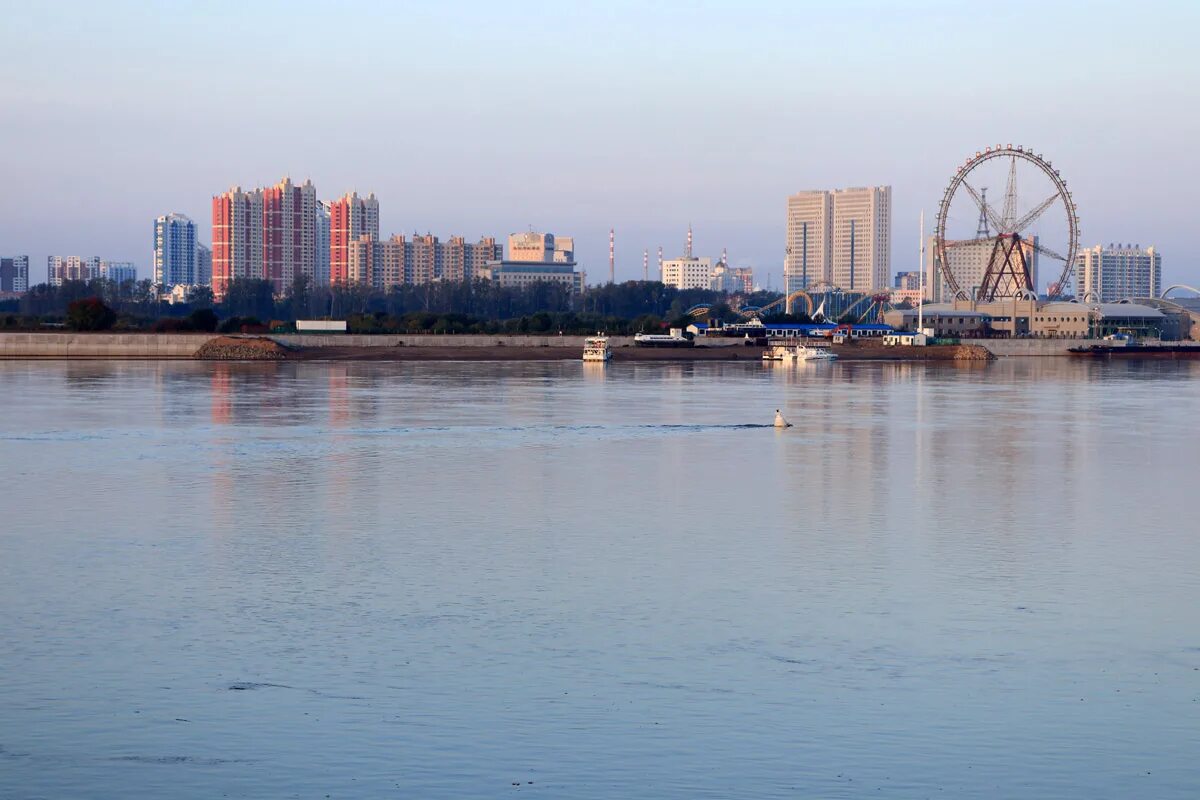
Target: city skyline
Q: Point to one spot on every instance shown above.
(482, 168)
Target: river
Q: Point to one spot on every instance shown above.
(427, 580)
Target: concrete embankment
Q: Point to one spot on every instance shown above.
(102, 345)
(451, 347)
(1031, 347)
(342, 340)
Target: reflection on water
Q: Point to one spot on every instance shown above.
(441, 580)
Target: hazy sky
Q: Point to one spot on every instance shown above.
(488, 117)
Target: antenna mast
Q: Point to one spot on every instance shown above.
(688, 253)
(660, 262)
(645, 265)
(921, 303)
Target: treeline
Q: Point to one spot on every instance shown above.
(478, 306)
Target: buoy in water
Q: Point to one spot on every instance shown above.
(780, 422)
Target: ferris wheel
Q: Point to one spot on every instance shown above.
(997, 259)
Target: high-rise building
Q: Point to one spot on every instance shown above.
(237, 238)
(118, 271)
(423, 259)
(274, 233)
(839, 238)
(862, 238)
(809, 231)
(1117, 272)
(14, 274)
(174, 251)
(203, 265)
(350, 217)
(321, 277)
(908, 281)
(71, 268)
(291, 232)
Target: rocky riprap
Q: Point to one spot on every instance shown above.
(232, 348)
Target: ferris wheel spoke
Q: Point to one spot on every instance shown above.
(1027, 220)
(950, 244)
(1010, 199)
(1046, 251)
(982, 205)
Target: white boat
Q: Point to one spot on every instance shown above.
(797, 352)
(595, 348)
(675, 339)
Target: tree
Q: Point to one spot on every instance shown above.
(90, 314)
(204, 319)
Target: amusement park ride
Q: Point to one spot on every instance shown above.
(1008, 272)
(1006, 235)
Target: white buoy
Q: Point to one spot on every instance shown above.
(780, 422)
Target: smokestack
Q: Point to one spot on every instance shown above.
(612, 257)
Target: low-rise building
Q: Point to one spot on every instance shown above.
(525, 273)
(1018, 318)
(688, 273)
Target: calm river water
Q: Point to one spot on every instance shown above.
(555, 579)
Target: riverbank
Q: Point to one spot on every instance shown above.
(445, 347)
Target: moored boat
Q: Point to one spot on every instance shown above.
(674, 339)
(797, 352)
(595, 348)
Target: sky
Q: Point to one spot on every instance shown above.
(484, 118)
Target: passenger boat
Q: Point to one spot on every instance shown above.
(675, 339)
(595, 348)
(797, 352)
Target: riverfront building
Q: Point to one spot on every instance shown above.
(840, 239)
(14, 274)
(1117, 272)
(71, 268)
(1025, 318)
(175, 251)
